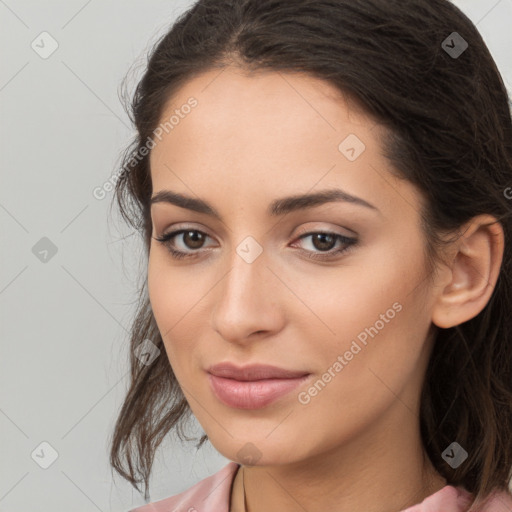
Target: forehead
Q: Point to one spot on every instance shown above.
(268, 131)
(264, 102)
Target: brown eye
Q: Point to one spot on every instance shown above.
(190, 239)
(193, 239)
(322, 245)
(323, 241)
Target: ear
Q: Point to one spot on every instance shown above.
(467, 283)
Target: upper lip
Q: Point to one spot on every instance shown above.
(253, 372)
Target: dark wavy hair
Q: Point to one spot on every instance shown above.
(449, 132)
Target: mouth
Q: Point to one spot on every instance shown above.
(253, 372)
(252, 387)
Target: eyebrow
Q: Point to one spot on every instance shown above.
(278, 207)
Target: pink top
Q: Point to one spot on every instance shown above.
(212, 494)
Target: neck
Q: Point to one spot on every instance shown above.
(252, 500)
(371, 474)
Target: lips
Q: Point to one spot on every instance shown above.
(253, 372)
(252, 387)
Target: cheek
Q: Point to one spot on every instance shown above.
(355, 300)
(175, 296)
(163, 296)
(180, 298)
(174, 291)
(375, 319)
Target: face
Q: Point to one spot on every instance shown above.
(334, 289)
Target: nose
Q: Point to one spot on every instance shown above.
(247, 300)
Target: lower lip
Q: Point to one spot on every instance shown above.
(252, 394)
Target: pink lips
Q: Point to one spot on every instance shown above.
(252, 387)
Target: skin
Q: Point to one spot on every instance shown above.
(253, 138)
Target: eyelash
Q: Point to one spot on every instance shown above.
(350, 243)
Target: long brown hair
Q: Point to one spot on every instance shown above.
(449, 133)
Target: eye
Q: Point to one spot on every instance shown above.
(192, 239)
(323, 241)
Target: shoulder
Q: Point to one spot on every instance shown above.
(499, 501)
(208, 495)
(457, 499)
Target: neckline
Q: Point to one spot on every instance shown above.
(232, 486)
(448, 491)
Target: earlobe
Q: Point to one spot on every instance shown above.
(474, 272)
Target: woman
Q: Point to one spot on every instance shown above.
(322, 191)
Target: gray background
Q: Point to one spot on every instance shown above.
(64, 358)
